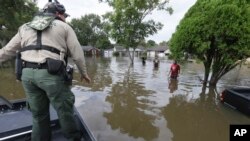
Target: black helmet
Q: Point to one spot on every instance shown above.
(53, 7)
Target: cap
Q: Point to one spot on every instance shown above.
(53, 7)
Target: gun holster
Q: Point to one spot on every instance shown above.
(68, 74)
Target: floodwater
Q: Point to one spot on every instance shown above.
(140, 103)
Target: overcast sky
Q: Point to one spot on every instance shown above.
(78, 8)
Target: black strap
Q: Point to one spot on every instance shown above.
(43, 47)
(39, 39)
(39, 46)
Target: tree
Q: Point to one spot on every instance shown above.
(14, 13)
(151, 43)
(217, 32)
(90, 31)
(163, 43)
(128, 26)
(103, 42)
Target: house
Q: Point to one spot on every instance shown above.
(123, 51)
(167, 52)
(151, 52)
(108, 52)
(157, 50)
(139, 50)
(90, 50)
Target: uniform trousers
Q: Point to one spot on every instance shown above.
(43, 89)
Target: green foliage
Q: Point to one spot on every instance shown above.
(143, 43)
(163, 43)
(215, 31)
(127, 24)
(90, 31)
(14, 13)
(151, 43)
(103, 42)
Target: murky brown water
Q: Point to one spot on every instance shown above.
(140, 104)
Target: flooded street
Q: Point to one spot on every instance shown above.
(140, 103)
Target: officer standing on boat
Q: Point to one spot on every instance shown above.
(44, 44)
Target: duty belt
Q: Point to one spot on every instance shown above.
(35, 65)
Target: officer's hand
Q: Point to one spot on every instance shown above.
(86, 78)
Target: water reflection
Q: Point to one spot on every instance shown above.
(99, 72)
(9, 88)
(129, 111)
(139, 103)
(173, 85)
(194, 120)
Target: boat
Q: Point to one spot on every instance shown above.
(237, 98)
(16, 122)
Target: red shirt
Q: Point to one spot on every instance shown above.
(175, 68)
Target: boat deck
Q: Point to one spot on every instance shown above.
(16, 123)
(22, 121)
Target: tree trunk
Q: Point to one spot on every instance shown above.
(131, 57)
(207, 66)
(206, 75)
(213, 81)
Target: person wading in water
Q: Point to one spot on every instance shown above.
(174, 70)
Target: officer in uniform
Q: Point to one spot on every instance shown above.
(47, 36)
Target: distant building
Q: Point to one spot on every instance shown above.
(123, 51)
(90, 50)
(151, 52)
(158, 50)
(108, 52)
(139, 51)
